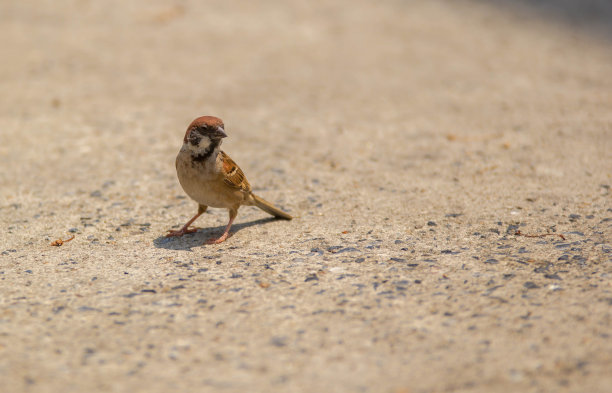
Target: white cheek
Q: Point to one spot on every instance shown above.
(203, 145)
(204, 142)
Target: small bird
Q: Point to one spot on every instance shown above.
(211, 178)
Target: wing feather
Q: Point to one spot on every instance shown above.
(233, 175)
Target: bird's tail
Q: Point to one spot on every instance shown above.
(270, 208)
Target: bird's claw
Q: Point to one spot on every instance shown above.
(181, 232)
(221, 239)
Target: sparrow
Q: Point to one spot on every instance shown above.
(211, 178)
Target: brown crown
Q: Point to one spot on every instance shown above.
(203, 121)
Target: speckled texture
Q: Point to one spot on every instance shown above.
(412, 140)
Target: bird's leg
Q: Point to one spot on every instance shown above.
(232, 214)
(185, 229)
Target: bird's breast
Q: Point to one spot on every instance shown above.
(202, 181)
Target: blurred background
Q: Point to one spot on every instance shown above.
(332, 83)
(96, 80)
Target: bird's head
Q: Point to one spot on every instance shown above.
(203, 132)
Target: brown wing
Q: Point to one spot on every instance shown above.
(232, 174)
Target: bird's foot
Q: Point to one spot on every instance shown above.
(218, 240)
(181, 232)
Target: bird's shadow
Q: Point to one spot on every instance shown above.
(196, 239)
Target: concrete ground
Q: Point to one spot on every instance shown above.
(412, 140)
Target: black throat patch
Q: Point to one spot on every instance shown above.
(207, 152)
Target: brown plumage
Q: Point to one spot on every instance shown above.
(211, 178)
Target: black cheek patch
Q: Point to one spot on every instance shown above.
(206, 153)
(194, 138)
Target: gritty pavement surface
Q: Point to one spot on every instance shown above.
(418, 143)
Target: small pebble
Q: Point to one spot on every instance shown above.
(511, 229)
(315, 251)
(278, 341)
(87, 308)
(347, 249)
(57, 309)
(311, 277)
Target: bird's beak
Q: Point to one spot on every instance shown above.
(220, 133)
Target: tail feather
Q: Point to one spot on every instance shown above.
(270, 208)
